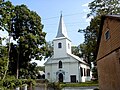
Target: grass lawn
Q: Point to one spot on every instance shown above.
(82, 84)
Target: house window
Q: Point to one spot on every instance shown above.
(107, 35)
(59, 45)
(60, 64)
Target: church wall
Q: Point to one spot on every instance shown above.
(54, 70)
(68, 46)
(61, 52)
(48, 72)
(66, 69)
(69, 70)
(70, 67)
(84, 78)
(74, 70)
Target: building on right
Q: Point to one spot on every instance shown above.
(108, 53)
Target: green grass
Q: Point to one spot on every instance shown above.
(82, 84)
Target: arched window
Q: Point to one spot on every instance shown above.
(48, 75)
(60, 64)
(59, 45)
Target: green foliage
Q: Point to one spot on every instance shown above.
(3, 61)
(25, 27)
(49, 49)
(98, 8)
(41, 68)
(11, 83)
(29, 72)
(59, 86)
(29, 82)
(76, 51)
(55, 86)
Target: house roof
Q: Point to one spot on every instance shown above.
(62, 32)
(117, 17)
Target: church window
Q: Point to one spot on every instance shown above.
(59, 45)
(60, 64)
(84, 72)
(88, 72)
(68, 46)
(48, 75)
(81, 69)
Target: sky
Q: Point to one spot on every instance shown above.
(74, 14)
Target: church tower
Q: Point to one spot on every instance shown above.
(63, 66)
(62, 45)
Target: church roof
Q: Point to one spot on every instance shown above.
(77, 58)
(62, 32)
(55, 60)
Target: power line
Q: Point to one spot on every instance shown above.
(63, 16)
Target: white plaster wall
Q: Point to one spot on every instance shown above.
(54, 70)
(48, 70)
(74, 70)
(85, 78)
(68, 49)
(61, 52)
(70, 66)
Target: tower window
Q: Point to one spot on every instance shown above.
(68, 46)
(59, 45)
(60, 64)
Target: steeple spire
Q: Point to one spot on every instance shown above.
(62, 28)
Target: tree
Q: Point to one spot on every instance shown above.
(49, 49)
(27, 32)
(3, 60)
(98, 8)
(76, 51)
(25, 27)
(6, 13)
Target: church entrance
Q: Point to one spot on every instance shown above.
(60, 77)
(73, 78)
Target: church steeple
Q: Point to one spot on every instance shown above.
(61, 29)
(62, 45)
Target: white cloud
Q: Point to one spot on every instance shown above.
(85, 5)
(39, 63)
(86, 10)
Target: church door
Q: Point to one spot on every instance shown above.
(73, 78)
(60, 77)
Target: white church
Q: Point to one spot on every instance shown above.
(63, 66)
